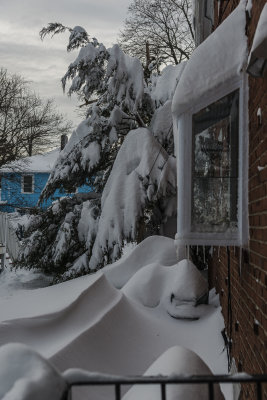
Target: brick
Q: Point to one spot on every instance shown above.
(249, 290)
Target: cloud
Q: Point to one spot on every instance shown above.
(44, 63)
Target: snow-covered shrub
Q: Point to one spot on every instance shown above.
(124, 149)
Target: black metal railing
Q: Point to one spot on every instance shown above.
(210, 380)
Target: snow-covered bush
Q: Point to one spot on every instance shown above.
(124, 149)
(55, 237)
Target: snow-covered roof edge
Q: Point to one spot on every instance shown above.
(39, 163)
(220, 58)
(257, 62)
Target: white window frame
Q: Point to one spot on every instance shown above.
(183, 127)
(22, 183)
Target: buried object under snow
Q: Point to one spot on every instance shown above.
(178, 288)
(175, 361)
(190, 289)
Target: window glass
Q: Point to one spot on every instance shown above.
(27, 183)
(215, 166)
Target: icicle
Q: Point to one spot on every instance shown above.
(197, 250)
(259, 116)
(204, 255)
(188, 251)
(219, 251)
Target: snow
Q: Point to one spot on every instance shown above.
(141, 172)
(77, 35)
(88, 323)
(82, 130)
(125, 75)
(154, 249)
(177, 285)
(259, 115)
(249, 7)
(27, 376)
(39, 163)
(15, 280)
(163, 86)
(261, 31)
(161, 123)
(61, 167)
(175, 361)
(15, 220)
(258, 53)
(220, 58)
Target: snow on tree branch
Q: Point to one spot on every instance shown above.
(142, 174)
(124, 149)
(78, 35)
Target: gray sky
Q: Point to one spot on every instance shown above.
(44, 63)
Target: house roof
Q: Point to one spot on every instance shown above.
(220, 58)
(38, 163)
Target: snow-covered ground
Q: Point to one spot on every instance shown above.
(117, 321)
(14, 280)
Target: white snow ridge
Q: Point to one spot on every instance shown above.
(89, 323)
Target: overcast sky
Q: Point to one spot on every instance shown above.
(44, 63)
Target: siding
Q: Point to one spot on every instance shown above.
(11, 192)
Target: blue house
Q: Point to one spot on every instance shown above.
(22, 182)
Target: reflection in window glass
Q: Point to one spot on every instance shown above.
(215, 166)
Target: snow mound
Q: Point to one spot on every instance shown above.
(175, 361)
(189, 285)
(44, 333)
(179, 288)
(154, 249)
(27, 376)
(86, 323)
(34, 303)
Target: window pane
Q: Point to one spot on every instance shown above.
(215, 166)
(27, 184)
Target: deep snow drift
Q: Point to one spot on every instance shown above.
(34, 377)
(89, 323)
(176, 360)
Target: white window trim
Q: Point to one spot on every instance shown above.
(183, 130)
(22, 183)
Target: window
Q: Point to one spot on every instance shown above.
(210, 110)
(212, 143)
(27, 184)
(215, 166)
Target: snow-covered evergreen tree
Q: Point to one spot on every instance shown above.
(124, 148)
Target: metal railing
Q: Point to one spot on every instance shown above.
(162, 381)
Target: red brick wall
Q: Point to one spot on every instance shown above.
(248, 269)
